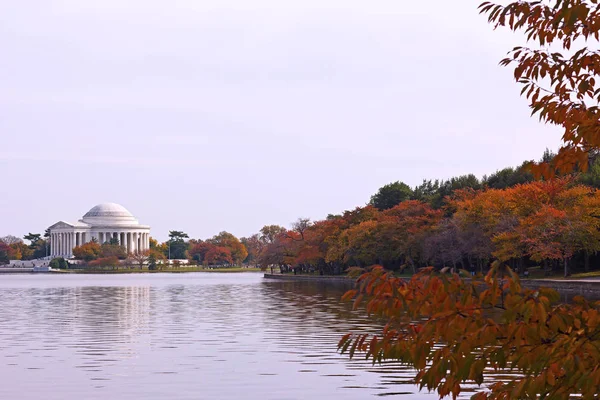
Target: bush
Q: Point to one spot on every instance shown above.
(59, 263)
(105, 262)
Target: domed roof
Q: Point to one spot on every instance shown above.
(109, 214)
(108, 210)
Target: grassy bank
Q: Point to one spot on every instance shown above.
(145, 270)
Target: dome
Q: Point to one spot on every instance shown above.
(109, 213)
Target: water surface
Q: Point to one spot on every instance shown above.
(183, 336)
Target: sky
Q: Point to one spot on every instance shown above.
(212, 115)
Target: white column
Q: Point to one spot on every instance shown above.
(60, 244)
(147, 240)
(135, 241)
(69, 243)
(51, 244)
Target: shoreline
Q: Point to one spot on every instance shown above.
(329, 279)
(82, 271)
(571, 287)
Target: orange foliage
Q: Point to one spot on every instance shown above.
(561, 88)
(88, 251)
(105, 262)
(454, 331)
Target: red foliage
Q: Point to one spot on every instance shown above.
(105, 262)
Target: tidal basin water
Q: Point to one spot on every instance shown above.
(183, 336)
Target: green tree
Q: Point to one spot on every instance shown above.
(32, 237)
(59, 263)
(177, 247)
(427, 191)
(508, 177)
(178, 236)
(592, 176)
(152, 261)
(108, 250)
(391, 195)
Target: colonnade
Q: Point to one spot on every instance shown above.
(62, 243)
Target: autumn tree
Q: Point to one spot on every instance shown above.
(440, 325)
(140, 257)
(4, 253)
(269, 233)
(236, 248)
(88, 251)
(254, 245)
(108, 250)
(218, 255)
(557, 69)
(20, 251)
(10, 239)
(110, 261)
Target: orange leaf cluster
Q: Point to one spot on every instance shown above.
(454, 331)
(561, 88)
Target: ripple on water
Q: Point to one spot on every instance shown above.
(193, 336)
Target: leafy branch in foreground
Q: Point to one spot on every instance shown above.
(453, 330)
(561, 87)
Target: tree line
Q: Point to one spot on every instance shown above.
(463, 222)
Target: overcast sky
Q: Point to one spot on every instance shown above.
(211, 115)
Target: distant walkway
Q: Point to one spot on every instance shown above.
(588, 287)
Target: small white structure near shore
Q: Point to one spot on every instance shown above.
(102, 223)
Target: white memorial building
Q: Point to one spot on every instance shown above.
(104, 222)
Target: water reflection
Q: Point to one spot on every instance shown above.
(193, 336)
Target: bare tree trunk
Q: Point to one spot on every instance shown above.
(566, 267)
(586, 265)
